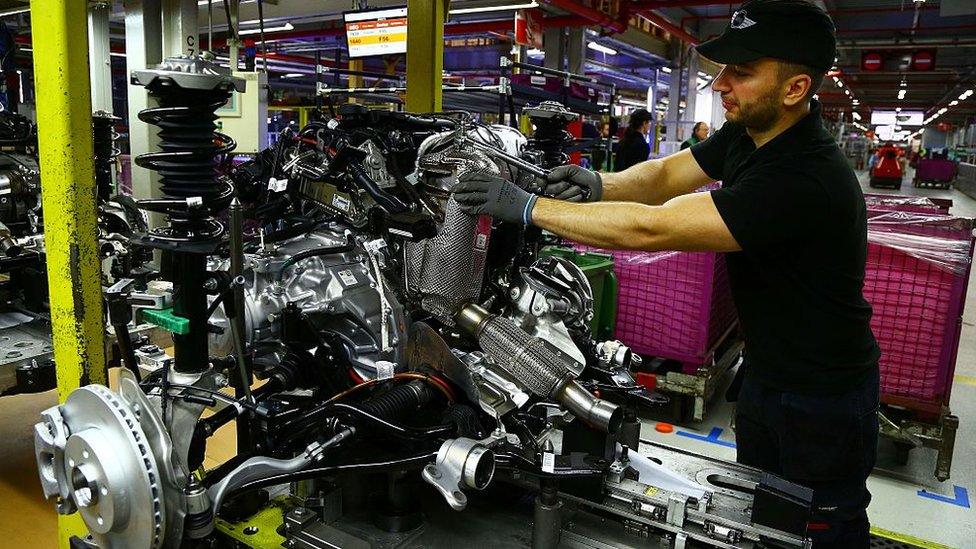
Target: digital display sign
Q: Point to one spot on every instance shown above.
(376, 32)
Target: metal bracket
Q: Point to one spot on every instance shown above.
(461, 463)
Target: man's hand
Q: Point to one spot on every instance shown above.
(574, 184)
(482, 193)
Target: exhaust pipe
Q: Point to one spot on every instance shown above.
(537, 365)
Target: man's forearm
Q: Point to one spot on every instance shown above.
(641, 182)
(613, 225)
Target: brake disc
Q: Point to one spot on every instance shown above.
(111, 472)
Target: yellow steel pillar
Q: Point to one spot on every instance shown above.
(355, 80)
(425, 54)
(64, 136)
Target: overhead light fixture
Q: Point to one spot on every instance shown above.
(666, 70)
(953, 103)
(486, 9)
(856, 116)
(116, 54)
(839, 83)
(535, 52)
(294, 75)
(285, 27)
(601, 48)
(901, 94)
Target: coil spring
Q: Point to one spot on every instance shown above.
(188, 139)
(105, 138)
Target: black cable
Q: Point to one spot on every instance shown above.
(216, 394)
(125, 348)
(323, 411)
(317, 472)
(214, 304)
(400, 431)
(509, 460)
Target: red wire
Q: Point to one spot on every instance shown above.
(358, 380)
(355, 377)
(445, 385)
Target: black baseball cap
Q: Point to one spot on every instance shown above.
(792, 30)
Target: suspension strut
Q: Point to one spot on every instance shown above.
(189, 91)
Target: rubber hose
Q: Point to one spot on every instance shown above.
(400, 400)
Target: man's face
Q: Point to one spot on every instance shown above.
(702, 132)
(751, 93)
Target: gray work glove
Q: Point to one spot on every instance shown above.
(574, 184)
(482, 193)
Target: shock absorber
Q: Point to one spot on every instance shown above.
(105, 136)
(189, 91)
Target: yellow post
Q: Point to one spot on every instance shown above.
(425, 54)
(64, 137)
(355, 80)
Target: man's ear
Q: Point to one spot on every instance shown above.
(796, 89)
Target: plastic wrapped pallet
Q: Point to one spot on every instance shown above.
(673, 305)
(916, 276)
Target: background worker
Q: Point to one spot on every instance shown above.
(633, 146)
(698, 134)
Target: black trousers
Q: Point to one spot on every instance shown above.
(825, 442)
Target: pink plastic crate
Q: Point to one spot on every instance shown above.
(673, 305)
(936, 170)
(915, 280)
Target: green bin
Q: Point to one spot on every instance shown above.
(598, 269)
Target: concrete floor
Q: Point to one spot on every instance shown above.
(941, 518)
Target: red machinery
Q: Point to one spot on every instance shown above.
(887, 170)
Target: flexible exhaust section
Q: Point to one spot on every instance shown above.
(538, 366)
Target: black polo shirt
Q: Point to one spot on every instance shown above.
(796, 209)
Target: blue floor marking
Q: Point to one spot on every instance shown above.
(960, 499)
(712, 437)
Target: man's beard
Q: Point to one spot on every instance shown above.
(758, 116)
